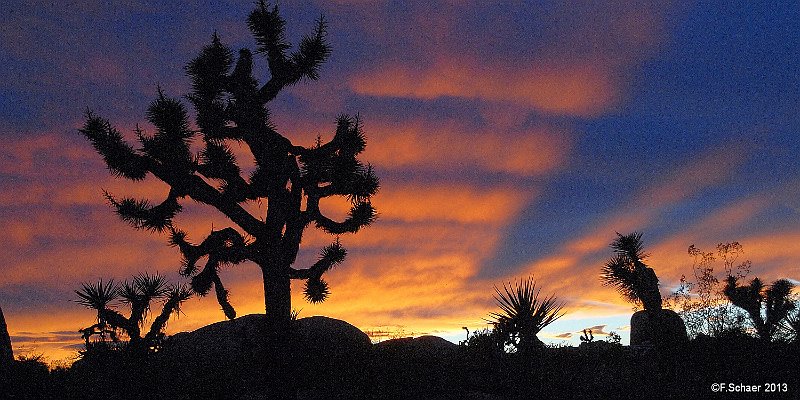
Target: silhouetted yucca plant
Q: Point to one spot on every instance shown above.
(627, 272)
(523, 313)
(99, 296)
(767, 306)
(137, 294)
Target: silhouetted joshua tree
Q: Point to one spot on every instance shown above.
(137, 294)
(627, 272)
(6, 351)
(231, 108)
(766, 306)
(523, 314)
(638, 283)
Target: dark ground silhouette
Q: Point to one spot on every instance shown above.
(425, 368)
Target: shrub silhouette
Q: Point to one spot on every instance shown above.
(523, 314)
(702, 302)
(627, 272)
(137, 294)
(292, 179)
(587, 336)
(767, 306)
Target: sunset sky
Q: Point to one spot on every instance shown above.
(511, 139)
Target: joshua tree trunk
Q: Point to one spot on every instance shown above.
(6, 351)
(278, 308)
(277, 297)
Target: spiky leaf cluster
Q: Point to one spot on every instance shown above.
(523, 312)
(316, 290)
(627, 272)
(98, 295)
(120, 157)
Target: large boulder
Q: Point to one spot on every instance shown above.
(6, 351)
(659, 328)
(230, 357)
(424, 367)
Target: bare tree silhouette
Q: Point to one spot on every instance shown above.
(702, 302)
(231, 107)
(767, 306)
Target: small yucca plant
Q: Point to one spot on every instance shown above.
(99, 296)
(523, 313)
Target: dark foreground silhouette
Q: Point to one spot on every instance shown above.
(334, 360)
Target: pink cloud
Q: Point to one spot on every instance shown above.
(570, 89)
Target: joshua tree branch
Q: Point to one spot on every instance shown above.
(314, 271)
(196, 188)
(330, 255)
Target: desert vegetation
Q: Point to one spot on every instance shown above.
(714, 328)
(114, 331)
(506, 360)
(523, 313)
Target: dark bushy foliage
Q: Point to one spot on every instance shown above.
(476, 369)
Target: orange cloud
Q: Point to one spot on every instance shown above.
(576, 64)
(464, 204)
(447, 146)
(574, 89)
(443, 146)
(419, 256)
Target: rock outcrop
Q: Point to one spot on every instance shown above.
(229, 357)
(657, 328)
(421, 367)
(6, 351)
